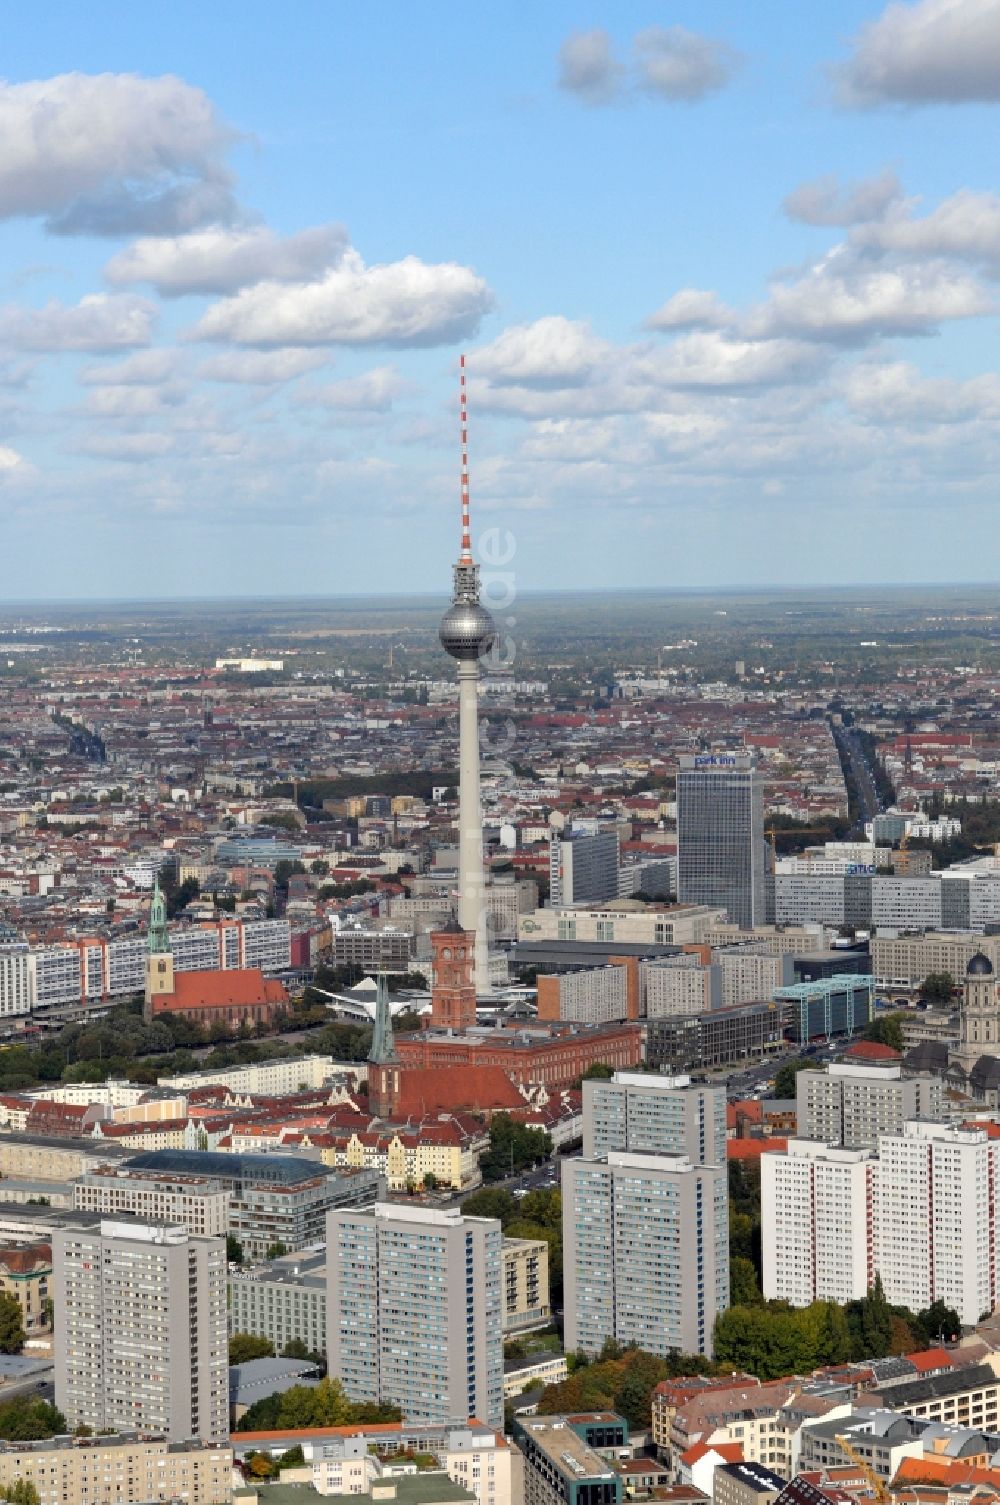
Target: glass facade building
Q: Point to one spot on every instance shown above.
(721, 851)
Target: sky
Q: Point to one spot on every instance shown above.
(725, 274)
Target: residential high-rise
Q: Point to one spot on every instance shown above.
(655, 1115)
(583, 867)
(816, 1224)
(936, 1234)
(645, 1252)
(853, 1105)
(467, 632)
(721, 851)
(415, 1311)
(922, 1213)
(140, 1336)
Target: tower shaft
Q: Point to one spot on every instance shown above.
(471, 884)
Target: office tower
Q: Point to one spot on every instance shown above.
(816, 1226)
(645, 1252)
(655, 1115)
(467, 632)
(721, 852)
(853, 1105)
(583, 867)
(140, 1330)
(415, 1311)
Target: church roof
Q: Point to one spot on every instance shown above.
(979, 966)
(220, 990)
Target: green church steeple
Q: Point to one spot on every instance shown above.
(383, 1049)
(158, 939)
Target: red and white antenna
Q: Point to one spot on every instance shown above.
(466, 555)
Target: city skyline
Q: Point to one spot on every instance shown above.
(232, 312)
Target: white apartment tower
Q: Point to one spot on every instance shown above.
(936, 1218)
(415, 1311)
(922, 1213)
(816, 1223)
(141, 1340)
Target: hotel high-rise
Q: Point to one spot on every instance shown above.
(721, 851)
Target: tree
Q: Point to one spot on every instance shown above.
(490, 1203)
(513, 1146)
(939, 1322)
(430, 1181)
(938, 987)
(597, 1071)
(234, 1249)
(27, 1419)
(886, 1029)
(276, 1250)
(876, 1321)
(743, 1287)
(21, 1492)
(246, 1346)
(11, 1325)
(784, 1077)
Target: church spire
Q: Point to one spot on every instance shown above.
(383, 1048)
(158, 939)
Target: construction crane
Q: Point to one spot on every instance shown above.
(878, 1485)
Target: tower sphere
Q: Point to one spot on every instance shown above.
(467, 630)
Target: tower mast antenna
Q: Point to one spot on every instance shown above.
(463, 405)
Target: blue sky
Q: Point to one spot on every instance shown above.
(726, 276)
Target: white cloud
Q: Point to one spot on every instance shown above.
(824, 202)
(146, 367)
(691, 308)
(588, 68)
(113, 153)
(896, 392)
(10, 461)
(222, 260)
(965, 225)
(551, 352)
(680, 65)
(714, 359)
(132, 447)
(406, 302)
(841, 301)
(932, 52)
(131, 401)
(373, 392)
(101, 321)
(262, 368)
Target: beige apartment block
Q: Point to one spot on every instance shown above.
(525, 1284)
(119, 1470)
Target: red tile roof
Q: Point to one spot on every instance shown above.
(436, 1089)
(218, 990)
(752, 1149)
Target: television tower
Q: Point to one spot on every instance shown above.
(467, 632)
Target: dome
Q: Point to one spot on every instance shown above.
(466, 630)
(979, 966)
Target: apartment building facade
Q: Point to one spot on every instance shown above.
(140, 1342)
(645, 1252)
(415, 1310)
